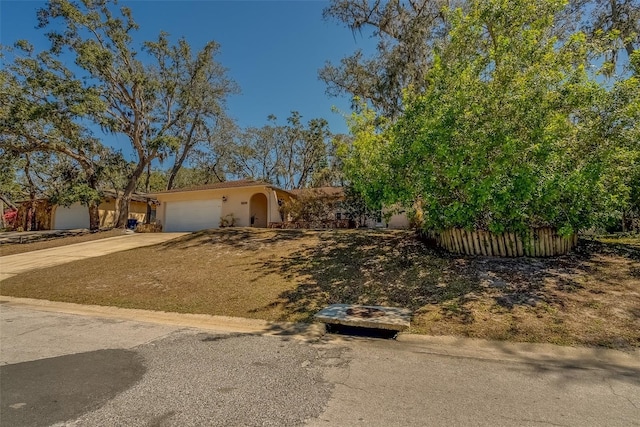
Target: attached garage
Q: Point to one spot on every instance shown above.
(72, 217)
(192, 215)
(242, 203)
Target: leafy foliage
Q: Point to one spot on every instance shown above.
(355, 207)
(409, 33)
(290, 156)
(510, 131)
(405, 32)
(160, 95)
(312, 205)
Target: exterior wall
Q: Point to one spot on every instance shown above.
(107, 210)
(44, 216)
(236, 201)
(274, 214)
(138, 210)
(399, 220)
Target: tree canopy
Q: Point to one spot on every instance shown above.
(160, 95)
(510, 129)
(409, 32)
(291, 156)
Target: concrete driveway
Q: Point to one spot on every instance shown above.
(11, 265)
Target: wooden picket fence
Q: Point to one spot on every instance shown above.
(539, 242)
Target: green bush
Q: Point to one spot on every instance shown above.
(512, 132)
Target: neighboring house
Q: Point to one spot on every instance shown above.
(77, 215)
(42, 215)
(398, 218)
(243, 203)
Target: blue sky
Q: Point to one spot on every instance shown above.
(273, 50)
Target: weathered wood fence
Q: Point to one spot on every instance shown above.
(539, 242)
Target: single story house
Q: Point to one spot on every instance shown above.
(77, 215)
(243, 203)
(42, 215)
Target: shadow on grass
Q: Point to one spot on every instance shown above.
(395, 269)
(381, 267)
(366, 267)
(528, 281)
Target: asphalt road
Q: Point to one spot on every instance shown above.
(71, 370)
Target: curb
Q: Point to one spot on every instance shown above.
(627, 363)
(225, 324)
(534, 353)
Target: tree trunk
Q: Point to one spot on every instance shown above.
(188, 145)
(94, 205)
(32, 196)
(147, 189)
(122, 204)
(122, 208)
(94, 216)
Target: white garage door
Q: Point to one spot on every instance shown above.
(74, 216)
(192, 215)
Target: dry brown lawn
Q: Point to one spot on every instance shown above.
(589, 298)
(54, 242)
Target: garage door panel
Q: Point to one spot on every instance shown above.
(192, 215)
(71, 217)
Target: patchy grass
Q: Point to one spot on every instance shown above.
(589, 298)
(54, 242)
(621, 240)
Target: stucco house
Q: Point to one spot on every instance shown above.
(77, 215)
(243, 203)
(246, 202)
(42, 215)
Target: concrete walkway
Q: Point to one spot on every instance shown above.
(11, 265)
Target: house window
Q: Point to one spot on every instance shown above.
(338, 216)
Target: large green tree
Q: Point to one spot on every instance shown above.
(155, 93)
(405, 32)
(408, 33)
(617, 20)
(509, 131)
(200, 87)
(42, 112)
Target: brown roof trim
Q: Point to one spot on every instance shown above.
(106, 194)
(135, 197)
(243, 183)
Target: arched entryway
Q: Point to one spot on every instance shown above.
(258, 208)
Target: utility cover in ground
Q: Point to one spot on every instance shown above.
(392, 318)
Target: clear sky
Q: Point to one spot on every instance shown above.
(273, 50)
